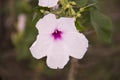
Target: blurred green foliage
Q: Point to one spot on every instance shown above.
(102, 25)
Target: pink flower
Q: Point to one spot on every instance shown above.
(21, 22)
(58, 39)
(48, 3)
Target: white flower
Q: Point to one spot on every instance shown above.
(48, 3)
(58, 39)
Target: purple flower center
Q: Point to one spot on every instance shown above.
(57, 34)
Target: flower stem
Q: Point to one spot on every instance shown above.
(74, 64)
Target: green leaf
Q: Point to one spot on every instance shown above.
(82, 3)
(102, 25)
(79, 26)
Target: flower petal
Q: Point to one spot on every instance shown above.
(57, 56)
(40, 46)
(77, 44)
(47, 3)
(47, 24)
(67, 24)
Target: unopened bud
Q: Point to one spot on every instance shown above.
(73, 3)
(68, 6)
(82, 9)
(42, 11)
(78, 15)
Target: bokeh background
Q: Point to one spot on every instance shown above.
(101, 62)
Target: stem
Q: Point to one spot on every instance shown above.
(74, 64)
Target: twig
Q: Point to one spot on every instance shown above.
(71, 75)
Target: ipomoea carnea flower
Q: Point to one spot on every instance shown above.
(58, 39)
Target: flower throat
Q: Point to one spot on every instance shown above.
(57, 34)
